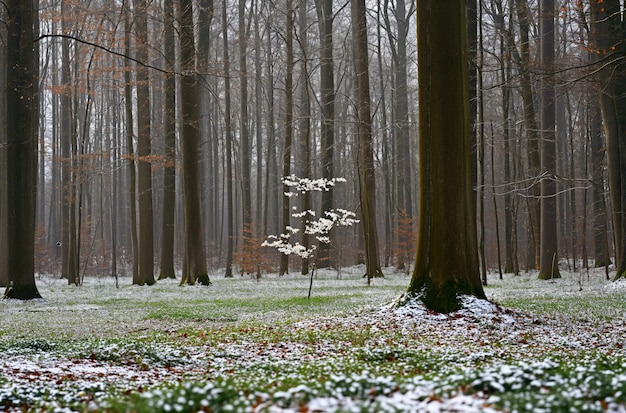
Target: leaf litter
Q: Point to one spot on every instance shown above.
(92, 348)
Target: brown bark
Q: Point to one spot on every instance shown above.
(169, 171)
(446, 263)
(367, 179)
(22, 127)
(286, 214)
(324, 9)
(548, 263)
(194, 266)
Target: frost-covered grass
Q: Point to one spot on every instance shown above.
(260, 345)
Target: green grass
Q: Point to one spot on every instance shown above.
(241, 344)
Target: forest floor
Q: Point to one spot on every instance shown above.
(248, 345)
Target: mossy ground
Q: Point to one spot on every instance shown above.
(242, 344)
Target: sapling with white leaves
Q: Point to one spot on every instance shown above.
(319, 228)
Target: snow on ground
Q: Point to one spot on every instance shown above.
(78, 343)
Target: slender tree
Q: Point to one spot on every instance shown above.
(230, 234)
(532, 136)
(286, 214)
(367, 179)
(446, 262)
(4, 274)
(169, 171)
(548, 265)
(325, 17)
(22, 105)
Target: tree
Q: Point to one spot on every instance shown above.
(4, 234)
(194, 265)
(22, 107)
(325, 17)
(530, 120)
(446, 262)
(548, 262)
(144, 165)
(229, 150)
(608, 35)
(169, 170)
(398, 44)
(289, 27)
(367, 180)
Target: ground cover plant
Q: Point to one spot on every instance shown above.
(260, 345)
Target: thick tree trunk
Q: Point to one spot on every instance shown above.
(367, 179)
(446, 262)
(608, 29)
(22, 127)
(194, 267)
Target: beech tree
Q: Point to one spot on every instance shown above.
(367, 181)
(548, 264)
(446, 262)
(194, 265)
(608, 35)
(22, 106)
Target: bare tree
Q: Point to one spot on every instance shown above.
(169, 170)
(22, 106)
(446, 262)
(367, 180)
(194, 265)
(548, 266)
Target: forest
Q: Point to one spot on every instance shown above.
(328, 206)
(244, 94)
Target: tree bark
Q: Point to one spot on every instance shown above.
(446, 263)
(194, 267)
(286, 213)
(22, 128)
(229, 150)
(532, 137)
(367, 179)
(145, 274)
(4, 234)
(169, 171)
(324, 9)
(608, 30)
(549, 264)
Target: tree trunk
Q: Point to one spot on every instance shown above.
(446, 262)
(22, 127)
(304, 130)
(367, 179)
(286, 213)
(608, 29)
(132, 187)
(144, 164)
(534, 160)
(245, 147)
(229, 151)
(549, 264)
(4, 234)
(194, 267)
(325, 17)
(169, 171)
